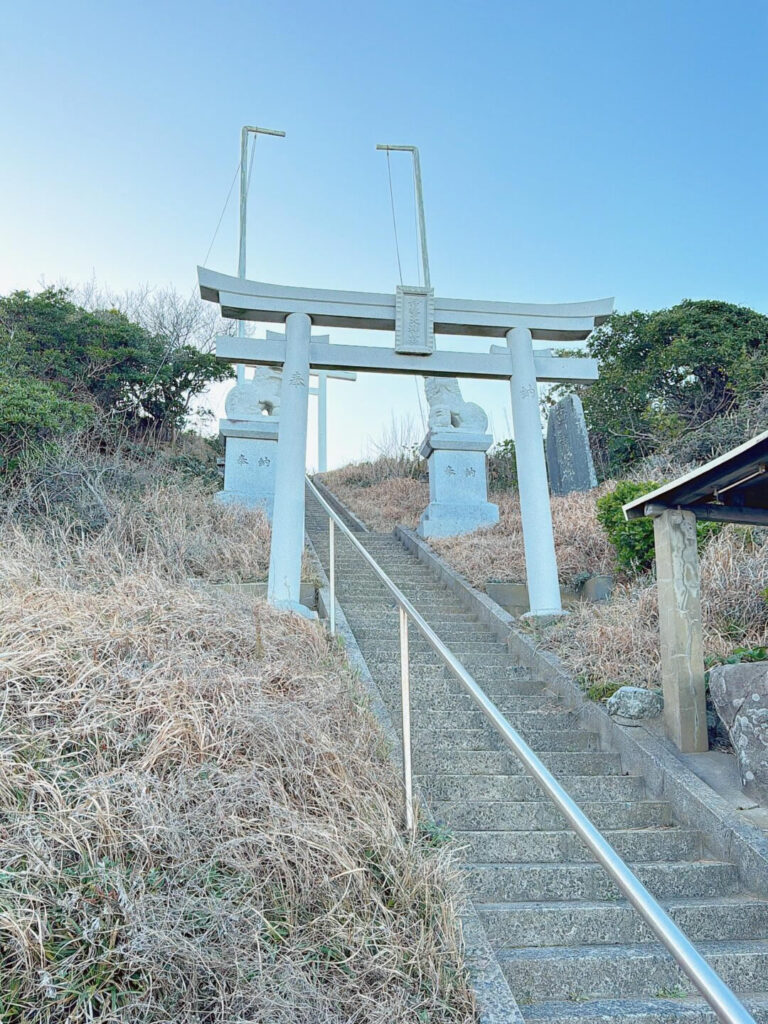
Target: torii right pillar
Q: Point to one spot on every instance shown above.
(535, 509)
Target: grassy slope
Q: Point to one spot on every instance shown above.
(198, 819)
(611, 643)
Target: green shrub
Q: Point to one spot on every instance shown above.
(33, 413)
(502, 466)
(738, 656)
(633, 539)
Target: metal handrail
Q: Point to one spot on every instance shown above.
(711, 986)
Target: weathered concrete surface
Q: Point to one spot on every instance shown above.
(535, 510)
(569, 459)
(631, 704)
(513, 597)
(682, 657)
(740, 696)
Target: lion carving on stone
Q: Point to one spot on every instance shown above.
(257, 397)
(448, 410)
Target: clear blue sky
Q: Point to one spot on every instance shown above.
(570, 150)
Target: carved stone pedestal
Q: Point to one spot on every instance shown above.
(458, 484)
(250, 460)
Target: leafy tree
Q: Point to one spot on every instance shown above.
(104, 359)
(502, 466)
(666, 373)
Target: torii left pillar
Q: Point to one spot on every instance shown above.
(283, 588)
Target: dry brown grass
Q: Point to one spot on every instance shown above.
(382, 493)
(145, 511)
(618, 642)
(198, 821)
(497, 553)
(382, 499)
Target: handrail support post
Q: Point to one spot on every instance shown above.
(332, 575)
(405, 696)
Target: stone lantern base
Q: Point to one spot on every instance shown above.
(249, 464)
(458, 484)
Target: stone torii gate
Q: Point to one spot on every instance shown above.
(321, 393)
(416, 315)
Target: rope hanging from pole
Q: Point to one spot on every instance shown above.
(223, 211)
(394, 217)
(250, 163)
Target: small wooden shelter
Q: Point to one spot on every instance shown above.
(730, 489)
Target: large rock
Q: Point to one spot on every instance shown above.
(631, 704)
(740, 696)
(569, 459)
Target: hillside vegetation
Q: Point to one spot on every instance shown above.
(199, 819)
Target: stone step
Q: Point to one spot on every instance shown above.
(664, 1010)
(500, 762)
(426, 604)
(430, 673)
(355, 568)
(469, 661)
(542, 815)
(489, 739)
(506, 689)
(424, 698)
(634, 844)
(355, 586)
(505, 883)
(428, 680)
(591, 972)
(511, 788)
(468, 719)
(498, 684)
(417, 643)
(372, 611)
(447, 629)
(481, 654)
(457, 631)
(586, 923)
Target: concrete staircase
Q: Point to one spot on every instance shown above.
(572, 949)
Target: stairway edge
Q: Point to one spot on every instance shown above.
(693, 801)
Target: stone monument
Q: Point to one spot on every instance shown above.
(740, 695)
(569, 459)
(251, 432)
(455, 448)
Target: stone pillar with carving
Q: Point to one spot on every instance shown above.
(455, 448)
(251, 432)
